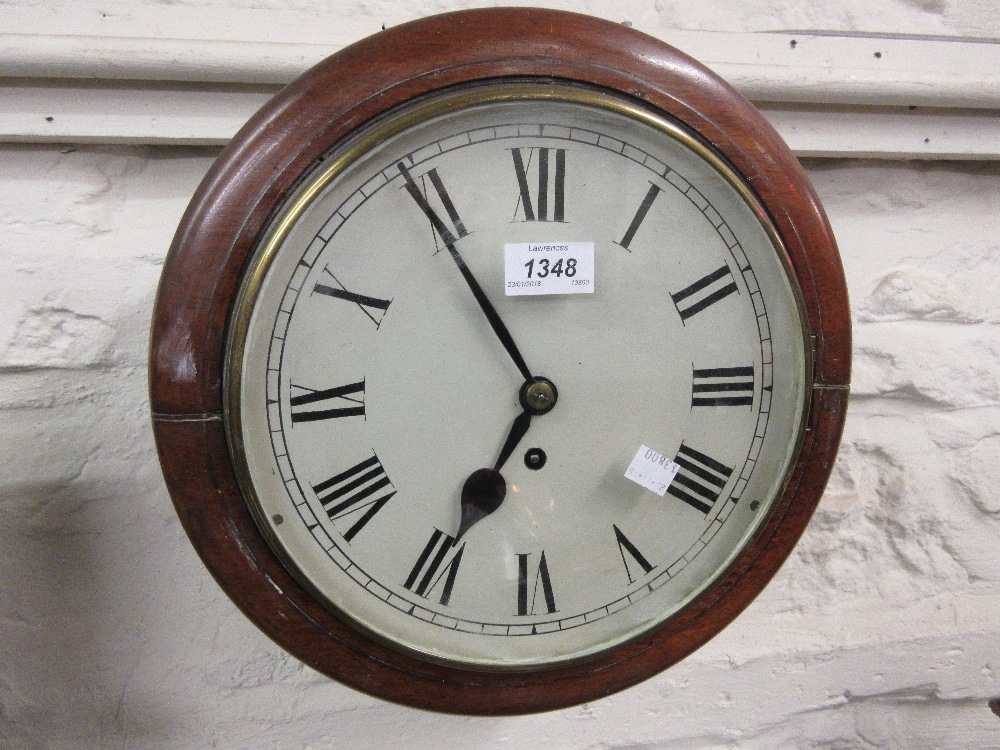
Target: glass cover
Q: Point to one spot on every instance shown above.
(367, 384)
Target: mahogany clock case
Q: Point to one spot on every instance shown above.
(260, 168)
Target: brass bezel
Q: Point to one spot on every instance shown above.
(316, 178)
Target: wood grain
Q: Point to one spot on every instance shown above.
(248, 183)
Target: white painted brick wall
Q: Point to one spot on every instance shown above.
(880, 632)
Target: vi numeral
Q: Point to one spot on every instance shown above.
(438, 560)
(364, 488)
(532, 581)
(699, 480)
(550, 170)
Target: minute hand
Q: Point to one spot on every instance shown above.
(449, 239)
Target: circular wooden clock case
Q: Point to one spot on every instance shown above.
(412, 477)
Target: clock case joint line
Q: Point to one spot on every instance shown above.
(205, 416)
(818, 388)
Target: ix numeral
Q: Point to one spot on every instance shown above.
(440, 557)
(526, 604)
(722, 386)
(309, 405)
(699, 480)
(349, 491)
(704, 293)
(543, 157)
(370, 306)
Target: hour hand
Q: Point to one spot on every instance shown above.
(485, 489)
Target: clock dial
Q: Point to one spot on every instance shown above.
(442, 461)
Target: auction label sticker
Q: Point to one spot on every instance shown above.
(652, 470)
(548, 268)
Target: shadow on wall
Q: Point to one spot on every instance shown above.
(86, 532)
(72, 619)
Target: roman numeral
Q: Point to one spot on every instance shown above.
(699, 480)
(310, 405)
(624, 545)
(640, 214)
(705, 292)
(450, 233)
(440, 556)
(722, 386)
(373, 307)
(526, 604)
(539, 210)
(350, 492)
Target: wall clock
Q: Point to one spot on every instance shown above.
(500, 361)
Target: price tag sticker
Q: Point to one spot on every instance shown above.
(652, 470)
(548, 268)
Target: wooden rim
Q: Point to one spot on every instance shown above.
(259, 169)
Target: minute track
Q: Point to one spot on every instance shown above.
(670, 567)
(676, 182)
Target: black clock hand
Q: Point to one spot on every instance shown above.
(517, 431)
(449, 239)
(491, 315)
(485, 489)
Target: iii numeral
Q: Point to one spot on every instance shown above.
(348, 493)
(541, 579)
(722, 386)
(309, 405)
(439, 559)
(699, 480)
(551, 164)
(704, 293)
(450, 232)
(373, 307)
(625, 546)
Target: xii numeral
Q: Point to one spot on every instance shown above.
(351, 491)
(722, 386)
(551, 170)
(540, 580)
(699, 480)
(439, 559)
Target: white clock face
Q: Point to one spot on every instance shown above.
(368, 382)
